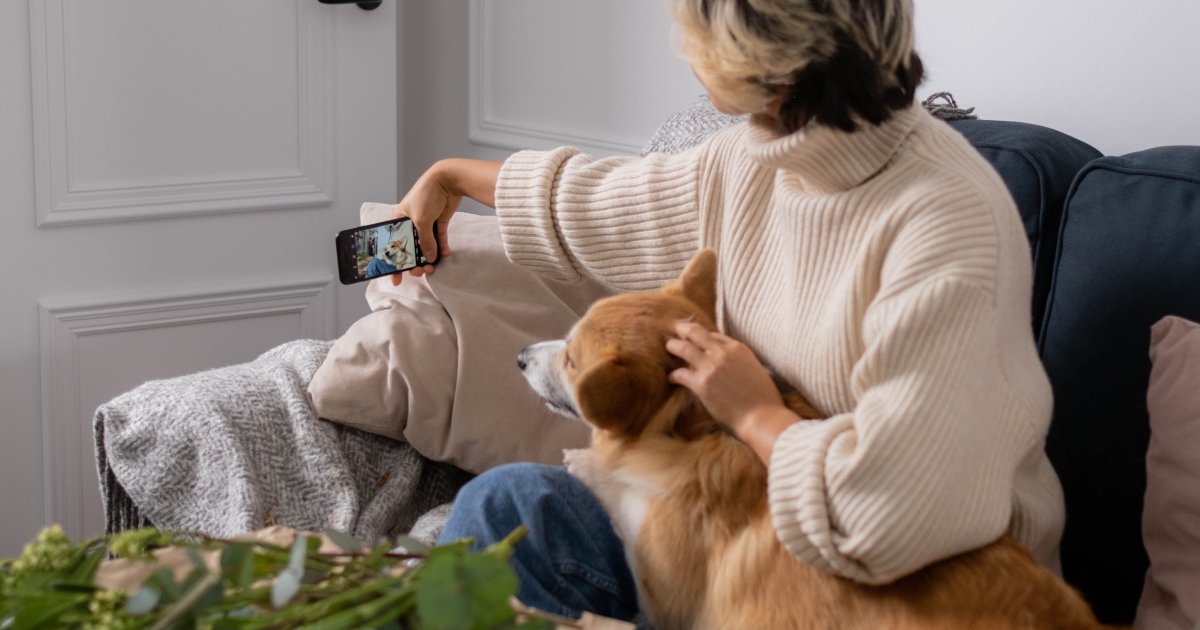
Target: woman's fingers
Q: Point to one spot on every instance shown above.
(691, 331)
(686, 350)
(429, 204)
(429, 246)
(684, 377)
(702, 337)
(425, 219)
(443, 227)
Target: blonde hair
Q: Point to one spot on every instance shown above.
(857, 53)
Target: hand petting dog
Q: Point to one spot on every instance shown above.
(732, 384)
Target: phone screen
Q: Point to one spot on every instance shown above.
(379, 249)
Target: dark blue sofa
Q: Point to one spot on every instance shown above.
(1116, 246)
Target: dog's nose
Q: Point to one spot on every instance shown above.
(523, 358)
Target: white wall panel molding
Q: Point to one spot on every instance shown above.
(70, 475)
(487, 127)
(304, 178)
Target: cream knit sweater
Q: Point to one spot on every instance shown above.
(885, 275)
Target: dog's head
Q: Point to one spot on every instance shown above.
(611, 370)
(394, 253)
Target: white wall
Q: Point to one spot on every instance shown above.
(148, 152)
(1121, 76)
(546, 72)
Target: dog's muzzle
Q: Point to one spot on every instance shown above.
(541, 366)
(523, 358)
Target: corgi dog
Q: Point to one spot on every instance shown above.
(399, 253)
(689, 500)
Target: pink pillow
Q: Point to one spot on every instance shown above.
(1171, 519)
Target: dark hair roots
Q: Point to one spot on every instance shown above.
(849, 85)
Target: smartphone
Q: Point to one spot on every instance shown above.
(379, 249)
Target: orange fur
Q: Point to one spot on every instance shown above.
(705, 554)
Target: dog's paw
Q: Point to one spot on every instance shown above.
(576, 457)
(580, 462)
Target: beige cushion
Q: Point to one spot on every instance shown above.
(1171, 519)
(435, 361)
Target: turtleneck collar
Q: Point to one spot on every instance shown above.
(829, 160)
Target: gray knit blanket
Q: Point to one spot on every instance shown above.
(236, 448)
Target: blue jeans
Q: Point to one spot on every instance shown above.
(571, 561)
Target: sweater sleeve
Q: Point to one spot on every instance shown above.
(922, 468)
(630, 222)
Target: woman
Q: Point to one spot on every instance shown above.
(870, 259)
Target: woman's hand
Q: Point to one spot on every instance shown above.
(732, 384)
(436, 196)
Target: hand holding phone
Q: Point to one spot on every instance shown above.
(380, 249)
(437, 194)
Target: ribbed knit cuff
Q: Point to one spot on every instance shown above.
(799, 498)
(524, 191)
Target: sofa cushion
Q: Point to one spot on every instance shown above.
(434, 363)
(1037, 164)
(1171, 519)
(1126, 256)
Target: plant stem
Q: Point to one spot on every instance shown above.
(318, 562)
(323, 607)
(504, 547)
(366, 614)
(189, 599)
(361, 554)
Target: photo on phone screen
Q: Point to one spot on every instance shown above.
(379, 249)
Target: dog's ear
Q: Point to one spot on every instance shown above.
(619, 395)
(698, 283)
